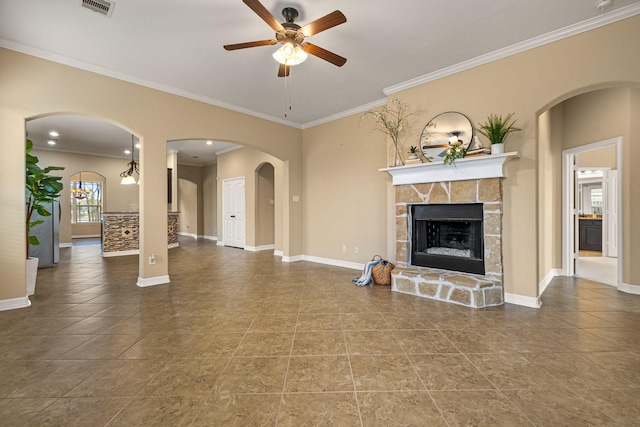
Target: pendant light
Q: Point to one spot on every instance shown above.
(127, 175)
(79, 192)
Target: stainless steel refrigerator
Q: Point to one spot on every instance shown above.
(48, 251)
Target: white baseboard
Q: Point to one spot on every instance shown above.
(64, 245)
(259, 248)
(295, 258)
(121, 253)
(152, 281)
(548, 278)
(173, 245)
(14, 303)
(192, 235)
(629, 289)
(219, 243)
(334, 262)
(214, 238)
(522, 300)
(278, 253)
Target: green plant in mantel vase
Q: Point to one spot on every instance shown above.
(41, 188)
(455, 151)
(496, 128)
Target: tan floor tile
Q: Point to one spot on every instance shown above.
(120, 378)
(239, 410)
(363, 321)
(407, 409)
(514, 371)
(424, 341)
(39, 347)
(448, 372)
(70, 412)
(15, 412)
(402, 321)
(159, 411)
(478, 408)
(319, 322)
(186, 377)
(557, 408)
(204, 346)
(319, 374)
(320, 409)
(265, 344)
(319, 343)
(621, 405)
(274, 323)
(253, 375)
(158, 346)
(372, 342)
(90, 325)
(384, 372)
(102, 347)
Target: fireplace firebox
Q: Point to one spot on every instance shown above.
(448, 236)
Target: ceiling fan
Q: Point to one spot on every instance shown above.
(294, 49)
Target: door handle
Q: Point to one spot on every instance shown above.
(233, 216)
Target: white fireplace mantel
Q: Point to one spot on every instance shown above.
(480, 167)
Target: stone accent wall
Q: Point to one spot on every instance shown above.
(121, 232)
(460, 288)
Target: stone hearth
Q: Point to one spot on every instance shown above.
(459, 288)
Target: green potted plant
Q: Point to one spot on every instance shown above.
(496, 129)
(41, 188)
(413, 152)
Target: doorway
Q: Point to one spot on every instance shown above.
(233, 212)
(592, 207)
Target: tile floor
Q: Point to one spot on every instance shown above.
(241, 339)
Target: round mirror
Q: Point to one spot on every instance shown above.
(441, 131)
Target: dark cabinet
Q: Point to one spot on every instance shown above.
(591, 234)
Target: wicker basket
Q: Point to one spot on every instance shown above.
(381, 272)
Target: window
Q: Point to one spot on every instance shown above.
(86, 201)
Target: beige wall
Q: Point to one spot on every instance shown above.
(600, 158)
(246, 163)
(190, 203)
(32, 87)
(210, 200)
(265, 206)
(345, 199)
(116, 197)
(526, 84)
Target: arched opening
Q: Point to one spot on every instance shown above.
(93, 153)
(582, 135)
(265, 207)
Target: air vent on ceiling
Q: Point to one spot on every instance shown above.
(103, 7)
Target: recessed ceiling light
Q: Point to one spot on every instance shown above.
(54, 133)
(127, 151)
(138, 145)
(52, 142)
(209, 142)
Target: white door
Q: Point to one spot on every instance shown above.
(233, 212)
(611, 214)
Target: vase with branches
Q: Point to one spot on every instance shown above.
(391, 119)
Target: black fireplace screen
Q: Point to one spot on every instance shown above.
(449, 237)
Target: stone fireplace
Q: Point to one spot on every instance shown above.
(449, 232)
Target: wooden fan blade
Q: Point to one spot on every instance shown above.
(250, 44)
(324, 23)
(284, 70)
(263, 13)
(321, 53)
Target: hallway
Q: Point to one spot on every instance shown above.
(240, 338)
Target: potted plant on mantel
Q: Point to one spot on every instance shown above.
(496, 129)
(41, 188)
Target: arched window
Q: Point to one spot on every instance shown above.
(86, 192)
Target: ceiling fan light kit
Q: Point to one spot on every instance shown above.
(291, 36)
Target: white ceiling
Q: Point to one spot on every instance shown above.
(176, 46)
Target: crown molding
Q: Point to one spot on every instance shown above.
(346, 113)
(581, 27)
